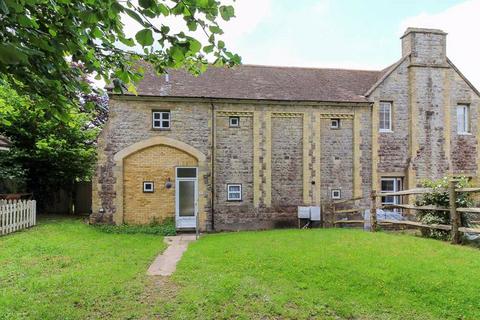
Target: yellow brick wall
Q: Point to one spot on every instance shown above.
(157, 164)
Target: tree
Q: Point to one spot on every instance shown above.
(39, 39)
(49, 154)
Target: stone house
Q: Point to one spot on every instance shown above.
(243, 147)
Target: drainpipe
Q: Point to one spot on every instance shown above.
(212, 204)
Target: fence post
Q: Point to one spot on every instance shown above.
(454, 215)
(333, 214)
(373, 212)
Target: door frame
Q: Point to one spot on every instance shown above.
(192, 221)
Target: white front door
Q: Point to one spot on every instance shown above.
(186, 190)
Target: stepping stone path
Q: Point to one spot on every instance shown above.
(166, 263)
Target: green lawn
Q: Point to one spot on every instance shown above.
(318, 274)
(64, 269)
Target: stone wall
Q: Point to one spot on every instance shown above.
(425, 90)
(233, 164)
(266, 154)
(130, 122)
(287, 167)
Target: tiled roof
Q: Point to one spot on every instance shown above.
(262, 83)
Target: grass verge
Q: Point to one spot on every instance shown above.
(325, 274)
(64, 269)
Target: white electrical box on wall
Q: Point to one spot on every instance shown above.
(303, 212)
(315, 213)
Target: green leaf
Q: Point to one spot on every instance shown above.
(135, 16)
(194, 45)
(144, 37)
(221, 44)
(146, 3)
(177, 53)
(215, 29)
(127, 41)
(227, 12)
(192, 25)
(208, 49)
(163, 9)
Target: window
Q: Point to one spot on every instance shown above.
(148, 186)
(234, 122)
(391, 185)
(336, 194)
(186, 172)
(385, 116)
(335, 123)
(463, 118)
(234, 192)
(161, 119)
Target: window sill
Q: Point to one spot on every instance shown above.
(385, 131)
(464, 133)
(161, 129)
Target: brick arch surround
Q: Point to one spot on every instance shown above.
(155, 160)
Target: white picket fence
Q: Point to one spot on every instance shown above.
(17, 215)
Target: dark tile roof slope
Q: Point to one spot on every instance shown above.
(262, 83)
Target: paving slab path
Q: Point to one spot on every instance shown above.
(166, 263)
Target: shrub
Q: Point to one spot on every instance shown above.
(439, 197)
(166, 228)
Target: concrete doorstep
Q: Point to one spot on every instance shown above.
(166, 263)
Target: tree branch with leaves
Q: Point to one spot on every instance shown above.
(39, 39)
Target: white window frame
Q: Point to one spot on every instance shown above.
(463, 128)
(163, 116)
(231, 124)
(238, 192)
(380, 114)
(397, 186)
(336, 194)
(145, 190)
(335, 123)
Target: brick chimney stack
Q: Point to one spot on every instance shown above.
(426, 46)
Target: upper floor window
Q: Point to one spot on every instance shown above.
(463, 118)
(161, 119)
(385, 116)
(234, 122)
(335, 123)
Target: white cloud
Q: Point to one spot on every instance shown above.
(462, 24)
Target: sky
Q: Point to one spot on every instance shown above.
(350, 33)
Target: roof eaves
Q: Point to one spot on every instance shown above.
(463, 77)
(385, 76)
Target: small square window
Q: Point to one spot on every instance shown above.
(148, 186)
(234, 122)
(161, 119)
(336, 194)
(234, 192)
(335, 123)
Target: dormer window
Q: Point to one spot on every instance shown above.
(161, 119)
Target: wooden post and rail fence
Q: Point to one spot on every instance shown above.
(17, 215)
(455, 213)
